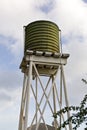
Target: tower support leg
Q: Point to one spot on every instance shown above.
(54, 103)
(21, 118)
(66, 97)
(28, 95)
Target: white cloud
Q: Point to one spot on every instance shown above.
(14, 15)
(76, 69)
(9, 109)
(45, 6)
(71, 16)
(10, 80)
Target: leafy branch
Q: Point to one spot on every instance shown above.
(78, 117)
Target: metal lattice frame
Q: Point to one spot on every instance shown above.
(31, 67)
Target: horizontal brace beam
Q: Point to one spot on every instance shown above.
(46, 60)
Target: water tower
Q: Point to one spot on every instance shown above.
(44, 88)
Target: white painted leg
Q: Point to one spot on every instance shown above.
(66, 98)
(54, 103)
(28, 95)
(21, 120)
(36, 99)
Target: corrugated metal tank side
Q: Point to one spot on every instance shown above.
(42, 36)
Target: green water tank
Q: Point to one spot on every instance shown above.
(42, 36)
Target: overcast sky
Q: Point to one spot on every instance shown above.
(71, 17)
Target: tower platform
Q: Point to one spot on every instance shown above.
(47, 62)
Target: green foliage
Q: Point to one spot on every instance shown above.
(85, 81)
(77, 118)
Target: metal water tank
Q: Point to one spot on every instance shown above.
(42, 36)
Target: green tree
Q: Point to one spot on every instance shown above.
(78, 117)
